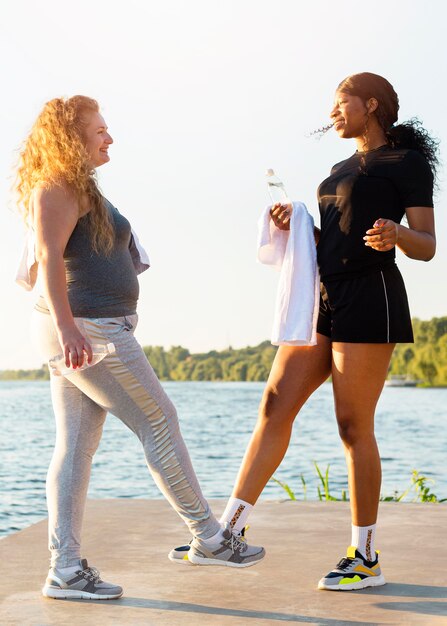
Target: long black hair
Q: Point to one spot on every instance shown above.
(409, 134)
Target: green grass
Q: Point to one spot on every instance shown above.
(419, 488)
(284, 486)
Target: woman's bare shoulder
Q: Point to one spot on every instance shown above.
(55, 203)
(54, 194)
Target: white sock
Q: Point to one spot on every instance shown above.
(214, 538)
(69, 570)
(363, 538)
(236, 513)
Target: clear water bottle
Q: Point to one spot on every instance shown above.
(100, 351)
(276, 189)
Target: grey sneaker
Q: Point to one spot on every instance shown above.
(179, 555)
(232, 550)
(84, 583)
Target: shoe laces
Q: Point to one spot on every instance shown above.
(90, 573)
(237, 543)
(344, 563)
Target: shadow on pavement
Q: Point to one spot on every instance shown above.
(407, 591)
(427, 608)
(185, 607)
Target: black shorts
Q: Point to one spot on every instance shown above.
(371, 308)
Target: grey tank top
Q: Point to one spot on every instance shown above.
(99, 285)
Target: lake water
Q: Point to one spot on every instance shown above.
(216, 421)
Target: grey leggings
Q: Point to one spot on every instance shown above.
(125, 385)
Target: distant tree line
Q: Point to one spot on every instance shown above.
(425, 360)
(245, 364)
(40, 374)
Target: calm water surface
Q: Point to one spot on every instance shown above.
(216, 421)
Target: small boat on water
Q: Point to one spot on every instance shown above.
(398, 380)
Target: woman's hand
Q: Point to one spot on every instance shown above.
(383, 236)
(280, 214)
(74, 347)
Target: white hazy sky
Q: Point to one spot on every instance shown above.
(201, 96)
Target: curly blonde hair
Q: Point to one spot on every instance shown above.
(54, 153)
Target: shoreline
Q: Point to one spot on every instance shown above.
(272, 500)
(423, 360)
(42, 379)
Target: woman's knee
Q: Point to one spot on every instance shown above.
(352, 429)
(273, 411)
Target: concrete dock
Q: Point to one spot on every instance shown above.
(128, 541)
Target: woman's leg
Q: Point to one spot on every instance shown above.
(358, 376)
(125, 384)
(79, 424)
(295, 374)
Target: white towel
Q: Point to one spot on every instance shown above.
(140, 258)
(294, 253)
(27, 271)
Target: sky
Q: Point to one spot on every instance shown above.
(201, 97)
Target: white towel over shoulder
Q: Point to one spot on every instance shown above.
(293, 252)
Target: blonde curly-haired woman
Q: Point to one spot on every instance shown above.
(88, 260)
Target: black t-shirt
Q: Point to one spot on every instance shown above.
(379, 183)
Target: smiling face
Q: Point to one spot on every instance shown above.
(97, 140)
(350, 115)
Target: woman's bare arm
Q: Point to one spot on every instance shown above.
(418, 241)
(55, 214)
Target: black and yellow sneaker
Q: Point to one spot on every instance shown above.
(353, 572)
